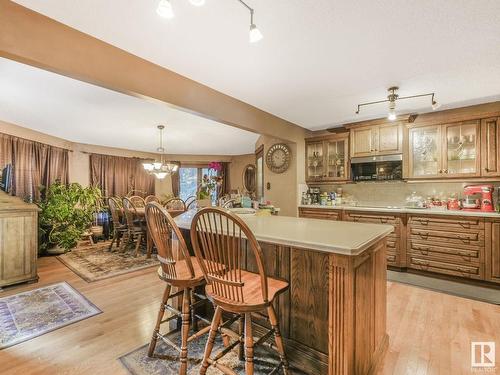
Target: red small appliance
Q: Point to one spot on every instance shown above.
(478, 197)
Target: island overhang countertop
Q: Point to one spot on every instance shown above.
(338, 237)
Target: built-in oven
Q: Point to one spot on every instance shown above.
(377, 168)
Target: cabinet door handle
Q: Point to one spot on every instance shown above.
(440, 171)
(486, 169)
(446, 171)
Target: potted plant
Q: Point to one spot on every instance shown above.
(66, 213)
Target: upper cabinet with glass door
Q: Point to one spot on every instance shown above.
(425, 152)
(461, 149)
(327, 158)
(441, 151)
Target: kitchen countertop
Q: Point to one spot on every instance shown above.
(339, 237)
(394, 209)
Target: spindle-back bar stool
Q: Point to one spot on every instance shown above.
(218, 240)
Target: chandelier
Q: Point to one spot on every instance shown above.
(160, 169)
(166, 10)
(393, 97)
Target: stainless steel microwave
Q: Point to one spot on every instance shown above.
(377, 168)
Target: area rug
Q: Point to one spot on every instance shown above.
(475, 292)
(166, 361)
(93, 263)
(26, 315)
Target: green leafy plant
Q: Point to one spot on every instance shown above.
(66, 212)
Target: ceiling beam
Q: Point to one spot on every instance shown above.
(32, 38)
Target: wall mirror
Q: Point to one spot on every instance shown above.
(249, 178)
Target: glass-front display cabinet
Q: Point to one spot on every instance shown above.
(425, 152)
(449, 150)
(460, 155)
(327, 158)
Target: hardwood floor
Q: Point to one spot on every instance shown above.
(430, 332)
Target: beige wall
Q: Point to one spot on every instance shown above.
(283, 190)
(79, 157)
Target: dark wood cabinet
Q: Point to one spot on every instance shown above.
(490, 147)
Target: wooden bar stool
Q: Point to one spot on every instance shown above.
(217, 237)
(178, 270)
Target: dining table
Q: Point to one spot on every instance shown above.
(141, 213)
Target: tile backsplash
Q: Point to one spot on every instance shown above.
(394, 193)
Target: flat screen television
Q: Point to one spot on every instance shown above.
(6, 181)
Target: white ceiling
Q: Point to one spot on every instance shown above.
(318, 58)
(84, 113)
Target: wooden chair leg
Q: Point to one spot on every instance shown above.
(119, 236)
(211, 340)
(185, 331)
(161, 313)
(115, 234)
(138, 244)
(241, 346)
(248, 344)
(278, 339)
(194, 319)
(149, 245)
(125, 241)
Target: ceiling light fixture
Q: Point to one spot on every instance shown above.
(197, 3)
(393, 97)
(165, 10)
(160, 169)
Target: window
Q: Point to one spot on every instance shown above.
(190, 178)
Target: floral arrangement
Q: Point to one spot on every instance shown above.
(210, 182)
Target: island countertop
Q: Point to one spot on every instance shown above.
(338, 237)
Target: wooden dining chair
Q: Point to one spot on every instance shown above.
(151, 198)
(217, 237)
(178, 270)
(138, 201)
(229, 203)
(136, 227)
(175, 204)
(190, 202)
(119, 228)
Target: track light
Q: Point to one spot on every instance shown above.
(435, 105)
(165, 9)
(197, 3)
(255, 35)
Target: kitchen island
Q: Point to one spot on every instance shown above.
(333, 317)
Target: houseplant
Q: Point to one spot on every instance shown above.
(66, 212)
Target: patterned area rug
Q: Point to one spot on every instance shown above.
(93, 263)
(166, 362)
(26, 315)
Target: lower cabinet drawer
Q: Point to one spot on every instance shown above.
(442, 238)
(458, 255)
(371, 218)
(468, 271)
(319, 213)
(458, 223)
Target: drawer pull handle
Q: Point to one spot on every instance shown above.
(384, 220)
(423, 221)
(424, 235)
(465, 224)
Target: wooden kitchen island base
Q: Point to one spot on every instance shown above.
(333, 316)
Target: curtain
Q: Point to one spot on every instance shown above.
(176, 181)
(226, 183)
(117, 176)
(35, 165)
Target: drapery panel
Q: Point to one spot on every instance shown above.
(176, 182)
(35, 165)
(226, 183)
(117, 176)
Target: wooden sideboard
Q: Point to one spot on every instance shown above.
(18, 240)
(460, 246)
